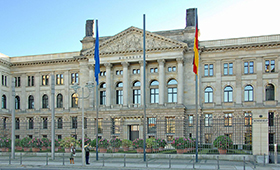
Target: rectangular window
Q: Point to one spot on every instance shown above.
(30, 123)
(228, 119)
(45, 80)
(208, 119)
(102, 97)
(190, 120)
(4, 80)
(59, 137)
(17, 81)
(269, 66)
(30, 81)
(208, 138)
(74, 122)
(270, 119)
(152, 125)
(116, 124)
(100, 126)
(228, 69)
(170, 124)
(59, 123)
(17, 136)
(17, 124)
(85, 123)
(208, 70)
(248, 118)
(248, 138)
(251, 70)
(74, 78)
(45, 123)
(4, 123)
(59, 79)
(248, 67)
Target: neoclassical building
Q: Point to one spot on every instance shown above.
(238, 88)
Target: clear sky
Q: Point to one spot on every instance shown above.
(31, 27)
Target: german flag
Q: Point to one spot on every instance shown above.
(195, 46)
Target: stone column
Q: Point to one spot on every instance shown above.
(218, 84)
(238, 97)
(66, 99)
(83, 80)
(91, 79)
(180, 63)
(23, 100)
(259, 89)
(161, 81)
(125, 83)
(37, 97)
(108, 84)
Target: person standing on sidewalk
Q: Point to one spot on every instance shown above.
(87, 149)
(73, 152)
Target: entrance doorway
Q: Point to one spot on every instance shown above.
(133, 132)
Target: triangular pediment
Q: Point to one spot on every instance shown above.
(131, 41)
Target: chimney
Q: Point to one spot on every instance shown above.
(190, 17)
(90, 28)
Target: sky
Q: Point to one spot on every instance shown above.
(33, 27)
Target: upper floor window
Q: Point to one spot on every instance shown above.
(17, 81)
(45, 101)
(208, 95)
(269, 66)
(208, 120)
(59, 123)
(59, 79)
(119, 93)
(228, 69)
(45, 122)
(136, 93)
(208, 70)
(59, 101)
(171, 69)
(17, 124)
(4, 80)
(75, 100)
(136, 71)
(102, 73)
(119, 72)
(30, 102)
(30, 81)
(30, 123)
(17, 102)
(45, 80)
(172, 91)
(103, 94)
(74, 122)
(248, 67)
(228, 94)
(248, 93)
(4, 102)
(153, 70)
(74, 78)
(154, 91)
(269, 92)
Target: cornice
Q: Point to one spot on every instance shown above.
(242, 47)
(5, 63)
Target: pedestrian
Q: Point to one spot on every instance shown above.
(73, 153)
(87, 149)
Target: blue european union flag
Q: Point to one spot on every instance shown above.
(96, 55)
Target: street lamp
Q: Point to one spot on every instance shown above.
(89, 86)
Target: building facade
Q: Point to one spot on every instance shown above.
(238, 88)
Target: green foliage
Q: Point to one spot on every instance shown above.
(151, 143)
(86, 141)
(223, 142)
(46, 142)
(126, 143)
(35, 143)
(57, 142)
(161, 142)
(93, 143)
(189, 142)
(66, 142)
(178, 143)
(103, 143)
(17, 142)
(138, 143)
(5, 142)
(116, 142)
(24, 142)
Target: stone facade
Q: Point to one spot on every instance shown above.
(238, 79)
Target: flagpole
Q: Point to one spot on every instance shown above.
(196, 111)
(144, 85)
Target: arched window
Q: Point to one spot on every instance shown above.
(119, 93)
(4, 102)
(59, 101)
(154, 92)
(17, 102)
(269, 92)
(172, 91)
(30, 102)
(228, 94)
(136, 92)
(75, 100)
(45, 101)
(208, 95)
(103, 94)
(248, 93)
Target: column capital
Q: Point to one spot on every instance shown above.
(180, 60)
(161, 61)
(108, 65)
(141, 62)
(125, 64)
(90, 66)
